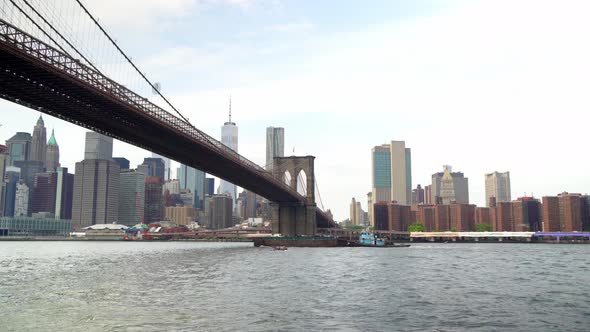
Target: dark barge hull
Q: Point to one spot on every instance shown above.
(302, 241)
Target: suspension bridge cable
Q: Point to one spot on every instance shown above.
(157, 91)
(62, 37)
(51, 38)
(319, 194)
(131, 62)
(39, 27)
(15, 5)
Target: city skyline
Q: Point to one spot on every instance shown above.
(437, 71)
(478, 201)
(418, 131)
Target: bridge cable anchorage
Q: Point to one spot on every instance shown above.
(134, 66)
(62, 37)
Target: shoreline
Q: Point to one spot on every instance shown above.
(64, 239)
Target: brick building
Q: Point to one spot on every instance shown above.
(503, 217)
(462, 217)
(442, 218)
(570, 211)
(551, 214)
(391, 216)
(483, 216)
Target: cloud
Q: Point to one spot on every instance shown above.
(292, 27)
(483, 86)
(142, 15)
(486, 86)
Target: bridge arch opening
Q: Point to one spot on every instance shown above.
(287, 177)
(302, 182)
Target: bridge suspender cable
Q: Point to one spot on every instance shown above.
(139, 71)
(57, 32)
(319, 194)
(39, 27)
(61, 36)
(59, 45)
(129, 60)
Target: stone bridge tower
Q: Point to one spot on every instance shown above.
(295, 218)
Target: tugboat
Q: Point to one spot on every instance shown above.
(369, 239)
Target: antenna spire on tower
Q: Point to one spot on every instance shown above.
(230, 108)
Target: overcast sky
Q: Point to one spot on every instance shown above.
(481, 85)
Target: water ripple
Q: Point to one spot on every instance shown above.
(168, 286)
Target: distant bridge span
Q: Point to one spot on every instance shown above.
(38, 76)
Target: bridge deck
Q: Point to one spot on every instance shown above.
(43, 78)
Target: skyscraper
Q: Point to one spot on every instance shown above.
(370, 208)
(123, 163)
(408, 175)
(447, 187)
(210, 186)
(418, 195)
(250, 206)
(21, 201)
(64, 195)
(172, 187)
(391, 174)
(381, 173)
(229, 137)
(52, 154)
(498, 185)
(98, 146)
(3, 164)
(460, 186)
(19, 147)
(220, 212)
(275, 145)
(193, 180)
(401, 173)
(28, 170)
(154, 200)
(11, 178)
(39, 142)
(155, 167)
(131, 197)
(96, 184)
(45, 188)
(167, 169)
(353, 212)
(428, 195)
(96, 193)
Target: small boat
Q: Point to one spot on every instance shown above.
(368, 239)
(280, 248)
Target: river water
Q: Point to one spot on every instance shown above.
(188, 286)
